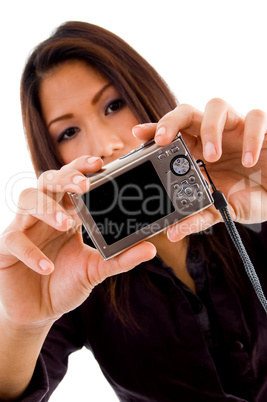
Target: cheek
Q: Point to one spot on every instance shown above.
(126, 125)
(69, 152)
(127, 118)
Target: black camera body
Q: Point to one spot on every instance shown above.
(140, 194)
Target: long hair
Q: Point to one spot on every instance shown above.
(141, 87)
(143, 90)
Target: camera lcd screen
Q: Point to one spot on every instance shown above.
(128, 203)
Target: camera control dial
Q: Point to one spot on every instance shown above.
(180, 165)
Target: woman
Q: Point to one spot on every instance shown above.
(184, 324)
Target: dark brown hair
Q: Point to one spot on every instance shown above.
(141, 87)
(144, 91)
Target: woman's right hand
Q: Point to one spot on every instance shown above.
(45, 268)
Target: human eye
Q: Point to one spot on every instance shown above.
(114, 106)
(68, 134)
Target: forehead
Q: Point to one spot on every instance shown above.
(69, 82)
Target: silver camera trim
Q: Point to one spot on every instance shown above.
(186, 188)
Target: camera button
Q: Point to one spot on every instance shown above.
(177, 187)
(192, 179)
(188, 191)
(161, 156)
(184, 202)
(174, 149)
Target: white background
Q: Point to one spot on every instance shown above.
(203, 49)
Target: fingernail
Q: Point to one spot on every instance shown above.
(79, 179)
(160, 131)
(133, 132)
(209, 149)
(248, 159)
(143, 125)
(45, 265)
(60, 217)
(170, 234)
(135, 128)
(173, 234)
(70, 224)
(93, 159)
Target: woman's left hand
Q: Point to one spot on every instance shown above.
(235, 151)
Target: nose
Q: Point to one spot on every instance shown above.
(105, 144)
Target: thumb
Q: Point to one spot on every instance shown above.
(194, 224)
(145, 131)
(122, 263)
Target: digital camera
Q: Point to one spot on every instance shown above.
(140, 194)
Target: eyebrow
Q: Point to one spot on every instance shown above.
(95, 99)
(100, 93)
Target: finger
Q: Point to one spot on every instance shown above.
(34, 205)
(184, 117)
(122, 263)
(254, 135)
(70, 177)
(19, 247)
(193, 224)
(85, 164)
(136, 255)
(144, 132)
(218, 116)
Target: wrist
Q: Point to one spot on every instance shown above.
(14, 329)
(20, 346)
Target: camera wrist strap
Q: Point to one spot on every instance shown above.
(220, 204)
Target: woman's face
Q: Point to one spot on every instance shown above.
(85, 114)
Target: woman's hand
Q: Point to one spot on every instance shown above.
(45, 268)
(235, 150)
